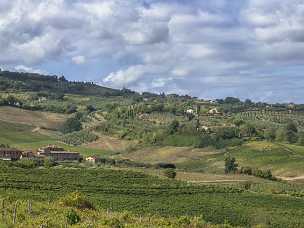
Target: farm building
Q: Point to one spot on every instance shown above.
(28, 155)
(213, 111)
(58, 154)
(10, 154)
(93, 159)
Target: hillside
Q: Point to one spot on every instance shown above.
(142, 195)
(236, 162)
(55, 84)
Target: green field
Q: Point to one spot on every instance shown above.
(141, 194)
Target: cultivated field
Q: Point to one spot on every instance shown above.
(45, 120)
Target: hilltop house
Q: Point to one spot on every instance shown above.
(10, 154)
(58, 153)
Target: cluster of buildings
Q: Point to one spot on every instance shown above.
(51, 151)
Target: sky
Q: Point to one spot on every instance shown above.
(206, 48)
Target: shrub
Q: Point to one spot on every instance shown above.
(230, 164)
(265, 174)
(170, 173)
(77, 200)
(72, 217)
(165, 166)
(246, 170)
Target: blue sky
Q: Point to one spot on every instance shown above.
(210, 49)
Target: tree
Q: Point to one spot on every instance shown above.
(230, 165)
(280, 135)
(71, 125)
(173, 127)
(270, 134)
(248, 130)
(291, 132)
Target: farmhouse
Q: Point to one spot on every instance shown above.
(213, 111)
(10, 154)
(190, 111)
(58, 153)
(93, 159)
(28, 155)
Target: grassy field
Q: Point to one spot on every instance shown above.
(282, 159)
(141, 194)
(32, 118)
(169, 154)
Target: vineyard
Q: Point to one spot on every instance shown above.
(274, 117)
(78, 138)
(142, 194)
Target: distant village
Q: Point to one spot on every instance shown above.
(53, 152)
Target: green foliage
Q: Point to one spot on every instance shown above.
(265, 174)
(170, 173)
(79, 138)
(291, 132)
(230, 164)
(72, 217)
(248, 130)
(70, 125)
(288, 134)
(26, 163)
(270, 134)
(76, 200)
(301, 139)
(173, 127)
(49, 162)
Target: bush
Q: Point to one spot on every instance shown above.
(77, 200)
(230, 165)
(72, 217)
(165, 166)
(170, 173)
(265, 174)
(246, 170)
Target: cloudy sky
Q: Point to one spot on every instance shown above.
(207, 48)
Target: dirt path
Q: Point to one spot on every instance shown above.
(292, 178)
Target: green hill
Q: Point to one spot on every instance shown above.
(36, 82)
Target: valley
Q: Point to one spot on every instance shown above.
(185, 161)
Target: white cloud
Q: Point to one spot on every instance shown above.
(79, 59)
(157, 45)
(22, 68)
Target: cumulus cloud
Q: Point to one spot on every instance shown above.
(206, 48)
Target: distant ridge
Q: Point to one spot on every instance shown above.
(56, 84)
